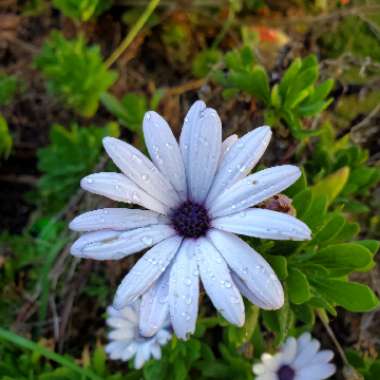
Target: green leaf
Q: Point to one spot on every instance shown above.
(302, 202)
(330, 229)
(289, 76)
(352, 296)
(279, 265)
(333, 184)
(300, 88)
(8, 88)
(204, 61)
(275, 97)
(259, 84)
(82, 10)
(298, 286)
(344, 258)
(372, 245)
(6, 140)
(75, 72)
(316, 212)
(237, 336)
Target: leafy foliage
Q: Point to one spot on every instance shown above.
(75, 72)
(369, 368)
(8, 87)
(71, 155)
(330, 156)
(6, 140)
(295, 97)
(82, 10)
(130, 110)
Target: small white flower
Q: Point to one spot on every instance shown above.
(298, 359)
(127, 341)
(199, 195)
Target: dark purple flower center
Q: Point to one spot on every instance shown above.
(191, 220)
(286, 372)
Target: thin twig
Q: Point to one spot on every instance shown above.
(332, 336)
(132, 33)
(366, 120)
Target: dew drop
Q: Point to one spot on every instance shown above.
(227, 284)
(145, 177)
(147, 240)
(89, 180)
(188, 281)
(136, 197)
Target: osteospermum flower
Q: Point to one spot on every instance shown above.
(199, 196)
(127, 341)
(298, 359)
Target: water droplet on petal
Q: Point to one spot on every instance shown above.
(147, 240)
(136, 197)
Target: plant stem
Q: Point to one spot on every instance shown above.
(132, 33)
(324, 319)
(30, 345)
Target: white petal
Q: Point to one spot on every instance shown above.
(164, 151)
(156, 351)
(121, 334)
(251, 267)
(119, 188)
(240, 159)
(227, 143)
(129, 351)
(289, 350)
(154, 309)
(115, 349)
(307, 354)
(264, 224)
(244, 290)
(114, 245)
(254, 189)
(258, 369)
(218, 283)
(140, 170)
(146, 271)
(118, 323)
(322, 357)
(267, 376)
(191, 119)
(116, 219)
(316, 372)
(202, 153)
(139, 358)
(184, 291)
